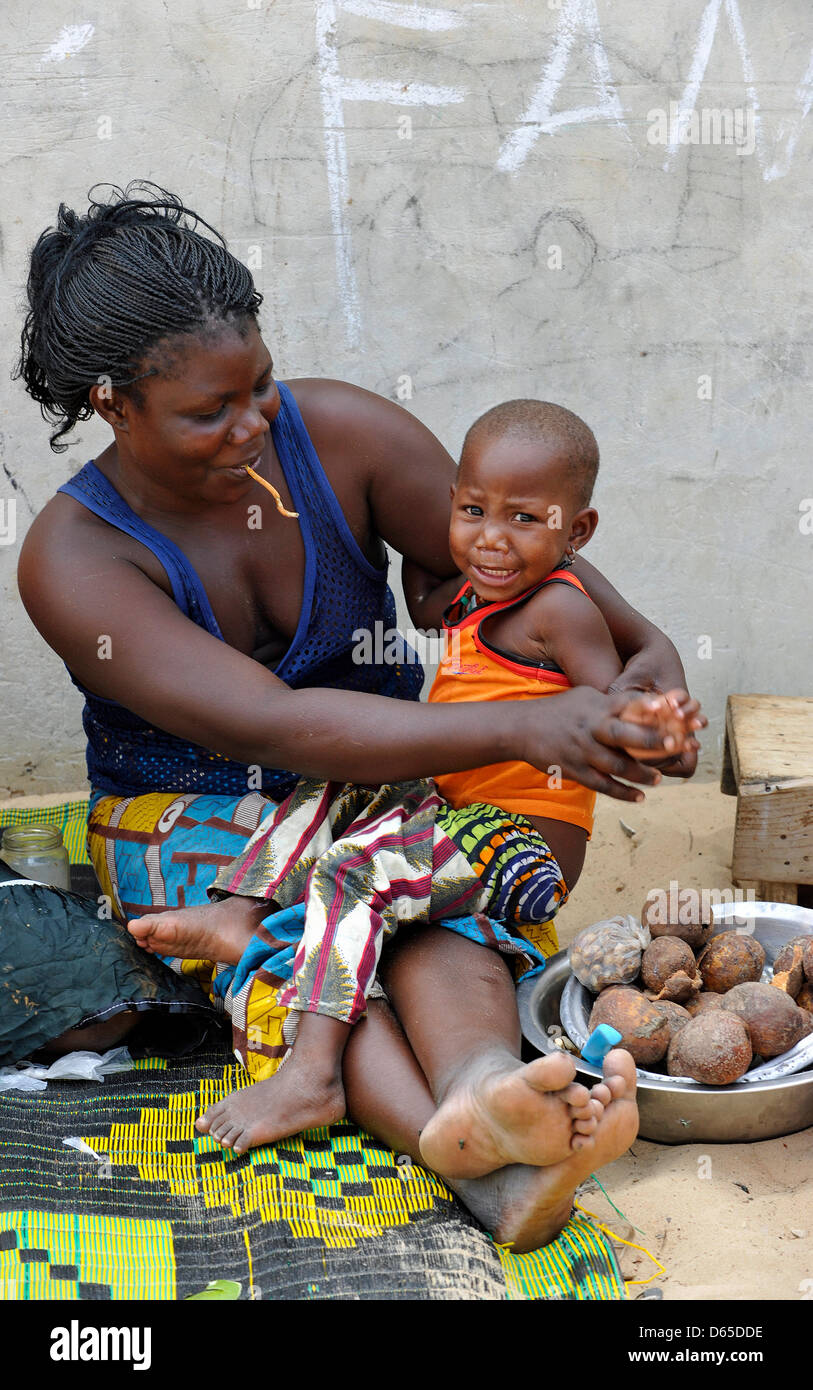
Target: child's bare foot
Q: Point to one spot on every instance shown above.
(500, 1112)
(305, 1093)
(297, 1098)
(526, 1207)
(218, 932)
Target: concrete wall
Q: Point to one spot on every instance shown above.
(458, 204)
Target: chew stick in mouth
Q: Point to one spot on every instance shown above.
(283, 510)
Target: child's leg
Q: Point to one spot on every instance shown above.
(520, 886)
(373, 877)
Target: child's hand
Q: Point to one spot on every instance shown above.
(673, 715)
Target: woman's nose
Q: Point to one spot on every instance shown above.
(251, 425)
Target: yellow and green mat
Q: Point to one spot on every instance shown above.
(144, 1207)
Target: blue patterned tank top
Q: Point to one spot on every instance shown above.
(343, 593)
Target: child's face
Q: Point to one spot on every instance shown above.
(515, 510)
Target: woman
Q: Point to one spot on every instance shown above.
(212, 635)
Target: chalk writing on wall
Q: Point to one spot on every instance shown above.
(577, 30)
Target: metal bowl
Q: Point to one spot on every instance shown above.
(678, 1111)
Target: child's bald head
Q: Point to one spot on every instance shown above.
(556, 429)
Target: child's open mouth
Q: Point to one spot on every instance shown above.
(494, 576)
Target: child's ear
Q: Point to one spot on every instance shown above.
(452, 491)
(582, 527)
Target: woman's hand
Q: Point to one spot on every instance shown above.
(582, 737)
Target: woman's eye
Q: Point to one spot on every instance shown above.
(213, 414)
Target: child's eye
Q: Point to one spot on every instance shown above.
(524, 516)
(472, 510)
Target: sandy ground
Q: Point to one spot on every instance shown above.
(728, 1221)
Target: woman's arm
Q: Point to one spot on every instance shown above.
(160, 665)
(651, 661)
(427, 596)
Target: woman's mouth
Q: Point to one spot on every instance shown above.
(239, 469)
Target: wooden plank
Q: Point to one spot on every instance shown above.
(769, 892)
(778, 893)
(771, 740)
(773, 835)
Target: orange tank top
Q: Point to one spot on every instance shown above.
(472, 669)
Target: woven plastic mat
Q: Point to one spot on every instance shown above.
(140, 1206)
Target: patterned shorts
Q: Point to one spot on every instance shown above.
(521, 879)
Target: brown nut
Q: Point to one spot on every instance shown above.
(676, 1015)
(644, 1029)
(678, 914)
(731, 959)
(774, 1022)
(664, 957)
(703, 1004)
(713, 1048)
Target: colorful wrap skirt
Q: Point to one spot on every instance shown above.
(342, 868)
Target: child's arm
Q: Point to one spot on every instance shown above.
(427, 596)
(569, 629)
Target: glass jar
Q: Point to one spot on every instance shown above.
(37, 852)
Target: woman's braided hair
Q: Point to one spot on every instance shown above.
(107, 286)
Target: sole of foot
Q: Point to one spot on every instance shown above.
(500, 1112)
(527, 1207)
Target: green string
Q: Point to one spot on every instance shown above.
(615, 1208)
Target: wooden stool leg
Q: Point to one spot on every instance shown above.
(767, 892)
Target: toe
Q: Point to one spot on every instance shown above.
(601, 1093)
(582, 1141)
(552, 1073)
(587, 1124)
(576, 1096)
(619, 1073)
(207, 1122)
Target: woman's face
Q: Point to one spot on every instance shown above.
(205, 414)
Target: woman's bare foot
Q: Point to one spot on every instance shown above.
(219, 931)
(499, 1112)
(526, 1207)
(296, 1098)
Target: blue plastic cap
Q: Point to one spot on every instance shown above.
(601, 1041)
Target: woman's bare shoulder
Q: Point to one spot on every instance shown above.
(363, 420)
(65, 544)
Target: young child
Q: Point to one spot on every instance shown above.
(507, 842)
(523, 627)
